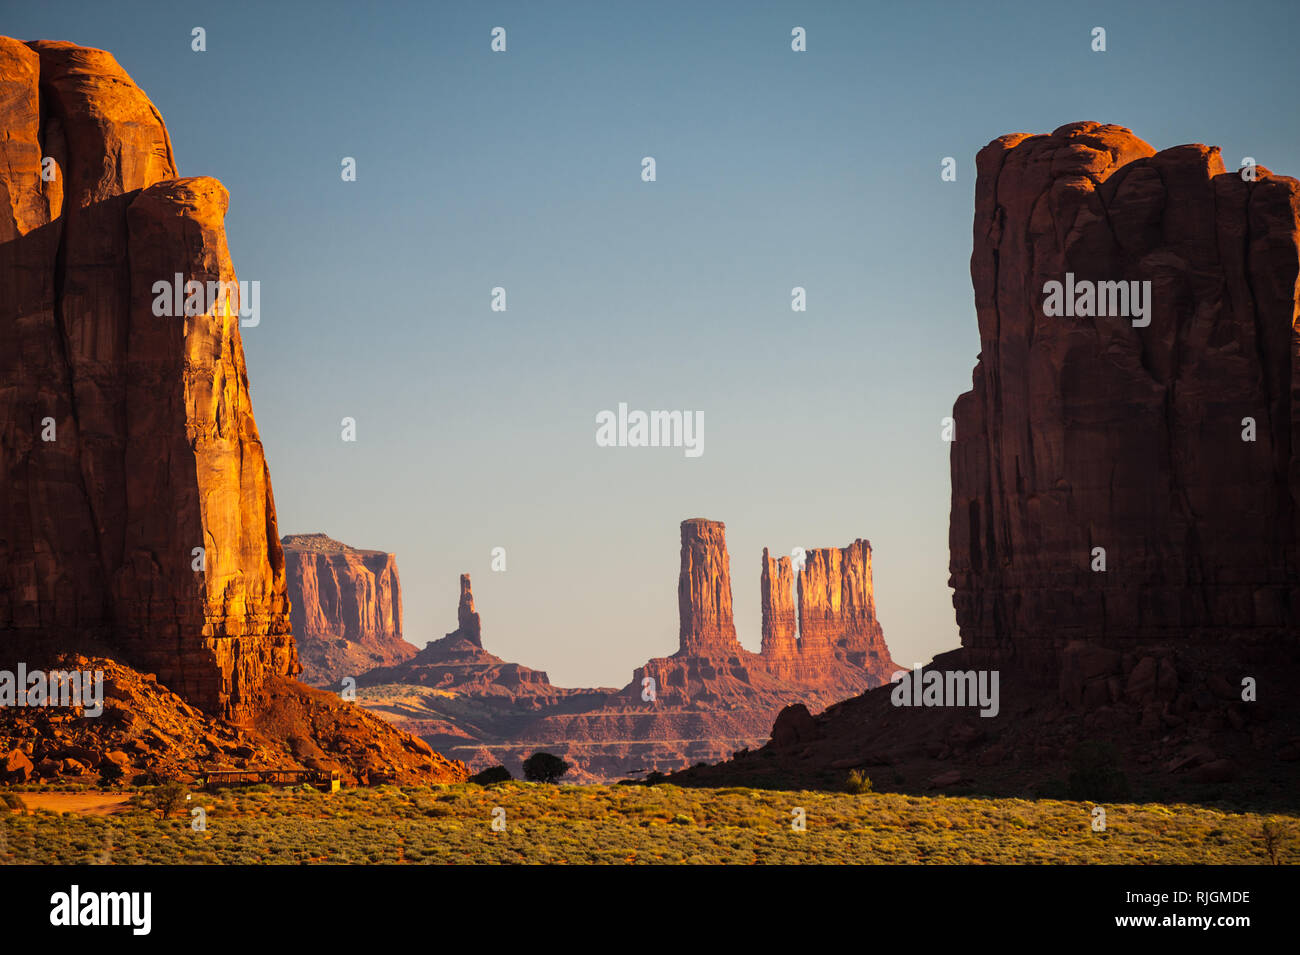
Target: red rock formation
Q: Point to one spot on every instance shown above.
(709, 699)
(837, 605)
(458, 663)
(1089, 432)
(137, 519)
(154, 450)
(780, 639)
(346, 608)
(463, 700)
(1096, 432)
(704, 589)
(837, 613)
(838, 632)
(713, 697)
(149, 732)
(469, 628)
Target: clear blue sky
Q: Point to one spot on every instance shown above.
(522, 170)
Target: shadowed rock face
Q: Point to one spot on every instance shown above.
(126, 440)
(346, 608)
(1082, 433)
(1091, 432)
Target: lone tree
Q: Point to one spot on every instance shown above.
(544, 768)
(169, 798)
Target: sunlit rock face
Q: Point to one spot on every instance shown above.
(137, 511)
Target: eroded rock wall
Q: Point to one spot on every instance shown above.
(1101, 432)
(127, 440)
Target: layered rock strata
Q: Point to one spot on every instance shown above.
(346, 608)
(709, 699)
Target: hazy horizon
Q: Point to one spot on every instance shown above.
(775, 169)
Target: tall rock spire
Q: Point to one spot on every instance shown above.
(704, 589)
(467, 619)
(777, 605)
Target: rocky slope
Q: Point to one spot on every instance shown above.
(1166, 440)
(345, 607)
(151, 734)
(137, 521)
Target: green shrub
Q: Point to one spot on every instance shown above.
(858, 782)
(14, 801)
(1276, 835)
(166, 799)
(493, 775)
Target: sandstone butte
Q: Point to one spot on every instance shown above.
(346, 608)
(127, 441)
(711, 698)
(1174, 446)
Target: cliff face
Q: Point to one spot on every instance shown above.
(836, 603)
(346, 608)
(1099, 432)
(126, 440)
(837, 615)
(137, 523)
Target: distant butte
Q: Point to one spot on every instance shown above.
(709, 699)
(346, 608)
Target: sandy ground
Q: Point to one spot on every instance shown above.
(88, 804)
